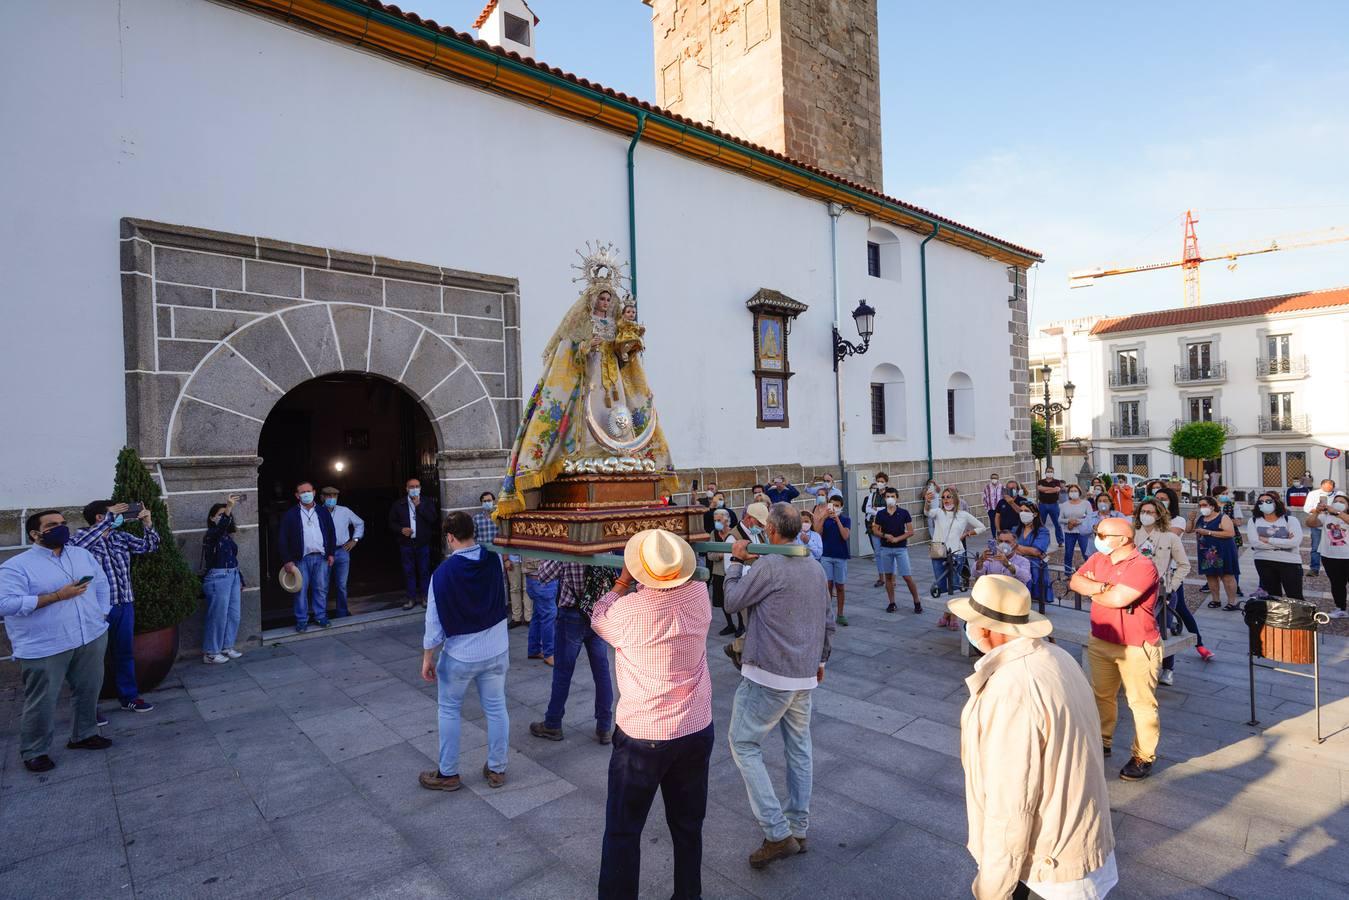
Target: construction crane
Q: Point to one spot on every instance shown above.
(1191, 259)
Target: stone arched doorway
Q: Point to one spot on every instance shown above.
(219, 328)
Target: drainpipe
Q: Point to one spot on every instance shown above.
(632, 205)
(835, 210)
(927, 369)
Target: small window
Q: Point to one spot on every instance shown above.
(1271, 469)
(878, 409)
(883, 254)
(960, 405)
(1121, 462)
(517, 29)
(1296, 463)
(1141, 464)
(873, 259)
(950, 411)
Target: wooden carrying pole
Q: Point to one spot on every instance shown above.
(615, 561)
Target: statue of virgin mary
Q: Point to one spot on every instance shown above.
(591, 411)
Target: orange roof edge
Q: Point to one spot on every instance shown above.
(1217, 312)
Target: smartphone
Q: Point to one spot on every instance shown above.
(134, 509)
(85, 580)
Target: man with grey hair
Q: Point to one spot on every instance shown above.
(786, 645)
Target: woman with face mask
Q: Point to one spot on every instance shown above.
(1276, 540)
(1032, 542)
(1235, 511)
(1155, 540)
(950, 526)
(716, 502)
(722, 530)
(222, 584)
(874, 503)
(1097, 488)
(1332, 517)
(1075, 512)
(1215, 539)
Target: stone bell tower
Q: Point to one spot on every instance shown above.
(797, 76)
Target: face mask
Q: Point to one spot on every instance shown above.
(330, 502)
(117, 522)
(1226, 498)
(306, 497)
(1103, 507)
(821, 501)
(1074, 495)
(1095, 489)
(1339, 507)
(891, 502)
(1049, 474)
(1267, 507)
(414, 493)
(1205, 511)
(880, 484)
(994, 479)
(829, 481)
(1102, 546)
(948, 505)
(720, 504)
(1006, 549)
(838, 510)
(487, 505)
(1027, 518)
(805, 528)
(721, 526)
(1146, 519)
(56, 537)
(976, 638)
(709, 493)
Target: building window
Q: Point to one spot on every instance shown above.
(517, 29)
(873, 259)
(1199, 357)
(960, 405)
(1201, 409)
(1281, 412)
(1121, 463)
(878, 409)
(1271, 470)
(1276, 351)
(888, 416)
(1126, 364)
(883, 254)
(1140, 466)
(1129, 418)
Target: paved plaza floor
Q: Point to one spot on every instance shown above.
(293, 773)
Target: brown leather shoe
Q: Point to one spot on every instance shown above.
(534, 656)
(494, 779)
(434, 781)
(604, 737)
(773, 850)
(540, 730)
(802, 843)
(547, 660)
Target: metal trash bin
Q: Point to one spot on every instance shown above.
(1282, 630)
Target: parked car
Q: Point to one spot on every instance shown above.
(1134, 481)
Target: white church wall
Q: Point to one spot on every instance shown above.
(313, 142)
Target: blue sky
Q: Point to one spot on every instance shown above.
(1084, 130)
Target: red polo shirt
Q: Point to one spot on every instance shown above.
(1136, 625)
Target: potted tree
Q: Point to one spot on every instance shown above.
(167, 590)
(1198, 440)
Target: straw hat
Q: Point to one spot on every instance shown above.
(291, 581)
(1001, 603)
(659, 559)
(759, 511)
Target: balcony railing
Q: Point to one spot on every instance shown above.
(1130, 429)
(1290, 366)
(1224, 421)
(1212, 373)
(1298, 424)
(1120, 378)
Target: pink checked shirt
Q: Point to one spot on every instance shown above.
(660, 638)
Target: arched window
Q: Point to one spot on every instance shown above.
(889, 416)
(883, 254)
(960, 405)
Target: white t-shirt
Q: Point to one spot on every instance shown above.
(1283, 534)
(1334, 537)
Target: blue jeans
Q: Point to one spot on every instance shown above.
(222, 588)
(755, 712)
(1315, 535)
(313, 594)
(416, 569)
(1175, 608)
(637, 769)
(876, 552)
(951, 565)
(543, 594)
(1049, 512)
(341, 565)
(1082, 542)
(121, 633)
(452, 680)
(572, 632)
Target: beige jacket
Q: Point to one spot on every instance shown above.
(1035, 793)
(1168, 555)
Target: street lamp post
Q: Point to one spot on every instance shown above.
(864, 317)
(1047, 409)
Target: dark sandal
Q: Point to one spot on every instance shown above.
(1233, 607)
(1214, 604)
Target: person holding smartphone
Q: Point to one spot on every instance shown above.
(54, 601)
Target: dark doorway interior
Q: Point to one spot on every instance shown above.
(363, 435)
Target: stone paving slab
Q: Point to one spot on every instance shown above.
(292, 773)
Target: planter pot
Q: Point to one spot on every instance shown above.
(154, 652)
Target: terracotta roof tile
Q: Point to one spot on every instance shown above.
(1217, 312)
(651, 108)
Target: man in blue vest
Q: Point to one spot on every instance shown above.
(308, 544)
(466, 621)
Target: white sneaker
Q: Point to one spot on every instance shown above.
(215, 659)
(1168, 677)
(232, 653)
(1339, 614)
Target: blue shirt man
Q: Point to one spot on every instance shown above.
(114, 548)
(781, 492)
(348, 528)
(308, 544)
(54, 599)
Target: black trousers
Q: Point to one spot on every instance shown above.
(1280, 579)
(1337, 570)
(637, 768)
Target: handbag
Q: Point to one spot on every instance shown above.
(940, 550)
